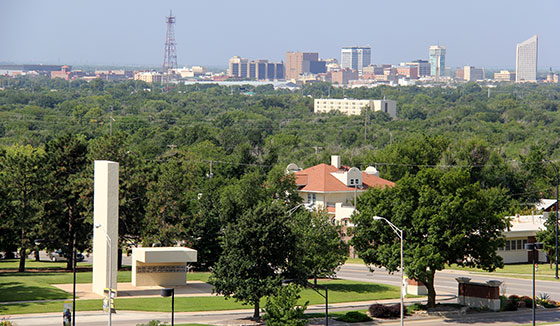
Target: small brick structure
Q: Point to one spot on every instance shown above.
(478, 294)
(416, 287)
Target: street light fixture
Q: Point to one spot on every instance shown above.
(399, 232)
(170, 292)
(99, 226)
(533, 248)
(556, 218)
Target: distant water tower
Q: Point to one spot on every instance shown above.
(170, 57)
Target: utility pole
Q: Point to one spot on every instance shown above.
(111, 122)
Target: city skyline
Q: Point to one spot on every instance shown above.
(133, 32)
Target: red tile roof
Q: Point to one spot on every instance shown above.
(318, 178)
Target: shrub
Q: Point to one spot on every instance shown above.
(282, 309)
(354, 317)
(6, 322)
(381, 311)
(153, 323)
(514, 298)
(377, 310)
(528, 301)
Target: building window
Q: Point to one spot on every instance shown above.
(351, 181)
(515, 245)
(314, 198)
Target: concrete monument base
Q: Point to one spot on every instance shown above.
(163, 266)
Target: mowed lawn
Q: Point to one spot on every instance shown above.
(28, 286)
(518, 270)
(339, 291)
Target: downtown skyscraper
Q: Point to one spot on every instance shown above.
(355, 57)
(526, 60)
(437, 60)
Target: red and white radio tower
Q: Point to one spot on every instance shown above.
(170, 58)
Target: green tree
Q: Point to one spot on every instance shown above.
(23, 176)
(66, 219)
(257, 250)
(320, 243)
(169, 213)
(548, 238)
(445, 220)
(281, 309)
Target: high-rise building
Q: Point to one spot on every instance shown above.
(472, 73)
(298, 63)
(355, 57)
(238, 67)
(437, 60)
(423, 66)
(259, 69)
(526, 60)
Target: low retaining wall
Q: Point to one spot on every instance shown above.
(478, 294)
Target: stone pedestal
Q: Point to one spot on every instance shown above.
(478, 294)
(105, 214)
(163, 266)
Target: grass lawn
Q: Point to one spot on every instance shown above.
(355, 261)
(37, 285)
(524, 271)
(31, 263)
(339, 291)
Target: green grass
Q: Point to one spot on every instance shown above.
(31, 263)
(355, 261)
(523, 271)
(544, 269)
(339, 291)
(37, 285)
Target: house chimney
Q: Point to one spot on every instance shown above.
(335, 161)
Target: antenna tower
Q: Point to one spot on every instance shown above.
(170, 57)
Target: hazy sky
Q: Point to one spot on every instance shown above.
(209, 32)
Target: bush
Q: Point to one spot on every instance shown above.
(507, 304)
(528, 301)
(282, 309)
(354, 317)
(153, 323)
(381, 311)
(6, 322)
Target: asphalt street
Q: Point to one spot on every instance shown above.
(446, 283)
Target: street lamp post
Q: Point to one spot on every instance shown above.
(170, 292)
(399, 232)
(99, 226)
(556, 217)
(533, 248)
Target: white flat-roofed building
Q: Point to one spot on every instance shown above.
(526, 60)
(523, 229)
(504, 76)
(354, 107)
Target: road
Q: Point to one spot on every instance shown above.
(446, 283)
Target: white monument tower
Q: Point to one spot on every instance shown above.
(106, 225)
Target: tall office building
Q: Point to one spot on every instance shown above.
(238, 67)
(298, 63)
(526, 60)
(260, 69)
(355, 57)
(437, 60)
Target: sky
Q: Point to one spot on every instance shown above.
(481, 33)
